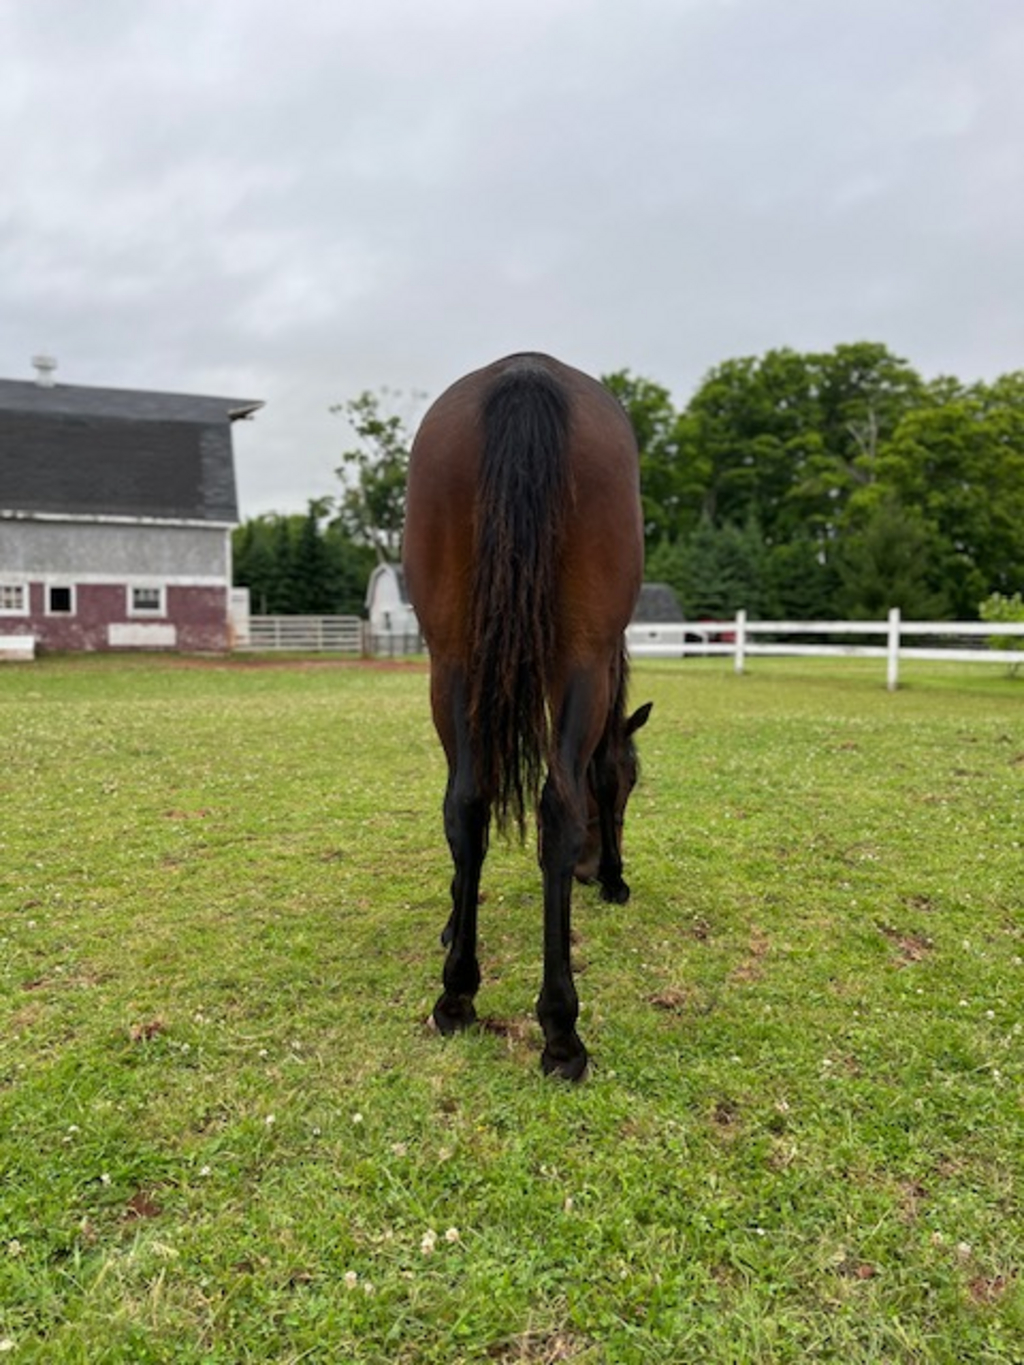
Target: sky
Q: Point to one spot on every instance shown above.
(297, 202)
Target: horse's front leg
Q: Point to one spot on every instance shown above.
(614, 888)
(466, 818)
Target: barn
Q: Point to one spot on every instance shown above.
(116, 510)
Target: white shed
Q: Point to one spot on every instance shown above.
(391, 614)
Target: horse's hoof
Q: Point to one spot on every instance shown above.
(453, 1015)
(572, 1068)
(616, 893)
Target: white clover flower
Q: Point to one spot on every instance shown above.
(429, 1242)
(369, 1289)
(452, 1236)
(351, 1279)
(270, 1120)
(357, 1118)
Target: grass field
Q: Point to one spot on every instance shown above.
(226, 1135)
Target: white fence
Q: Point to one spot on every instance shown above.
(737, 638)
(334, 634)
(343, 634)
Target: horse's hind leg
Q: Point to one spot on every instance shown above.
(466, 817)
(563, 808)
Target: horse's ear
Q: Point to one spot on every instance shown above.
(639, 718)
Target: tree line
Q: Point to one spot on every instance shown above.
(797, 485)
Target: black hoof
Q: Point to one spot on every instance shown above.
(573, 1067)
(454, 1015)
(617, 893)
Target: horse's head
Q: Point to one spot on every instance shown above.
(619, 773)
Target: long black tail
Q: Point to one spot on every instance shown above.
(524, 488)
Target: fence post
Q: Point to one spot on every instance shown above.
(892, 680)
(741, 639)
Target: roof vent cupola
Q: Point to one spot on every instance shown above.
(45, 366)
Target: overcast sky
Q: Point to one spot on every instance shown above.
(294, 202)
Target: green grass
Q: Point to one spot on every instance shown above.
(225, 1132)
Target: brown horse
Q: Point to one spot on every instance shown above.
(523, 559)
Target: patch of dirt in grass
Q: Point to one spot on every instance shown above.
(24, 1018)
(984, 1291)
(540, 1348)
(682, 1000)
(672, 1001)
(911, 947)
(520, 1032)
(750, 969)
(922, 903)
(911, 1196)
(82, 977)
(142, 1204)
(852, 1269)
(726, 1119)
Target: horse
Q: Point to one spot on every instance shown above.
(523, 558)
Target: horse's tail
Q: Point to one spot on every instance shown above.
(523, 490)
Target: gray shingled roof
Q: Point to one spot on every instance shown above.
(657, 603)
(117, 452)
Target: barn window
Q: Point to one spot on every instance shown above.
(146, 601)
(13, 599)
(60, 599)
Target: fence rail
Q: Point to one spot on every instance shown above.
(341, 634)
(737, 637)
(327, 634)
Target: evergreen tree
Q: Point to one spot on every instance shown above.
(884, 565)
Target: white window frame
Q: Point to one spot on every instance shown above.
(147, 613)
(72, 589)
(18, 585)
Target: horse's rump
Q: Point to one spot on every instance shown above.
(523, 553)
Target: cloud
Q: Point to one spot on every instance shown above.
(294, 203)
